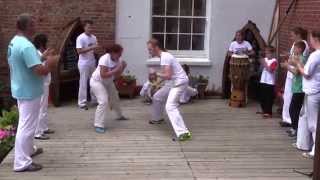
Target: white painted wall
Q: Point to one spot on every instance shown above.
(133, 29)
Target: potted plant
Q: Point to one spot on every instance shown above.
(126, 85)
(200, 82)
(8, 126)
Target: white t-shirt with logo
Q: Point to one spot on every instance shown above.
(85, 41)
(237, 48)
(179, 76)
(306, 53)
(47, 78)
(311, 85)
(268, 77)
(106, 61)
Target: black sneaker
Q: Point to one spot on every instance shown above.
(85, 107)
(284, 124)
(156, 122)
(42, 137)
(32, 168)
(293, 133)
(122, 118)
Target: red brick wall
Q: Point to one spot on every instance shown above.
(53, 15)
(306, 14)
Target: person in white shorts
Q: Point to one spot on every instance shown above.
(86, 45)
(307, 127)
(297, 34)
(168, 96)
(40, 42)
(109, 67)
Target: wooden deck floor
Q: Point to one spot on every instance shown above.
(228, 144)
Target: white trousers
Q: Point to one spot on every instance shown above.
(85, 75)
(187, 94)
(24, 147)
(168, 97)
(106, 94)
(287, 96)
(42, 124)
(307, 127)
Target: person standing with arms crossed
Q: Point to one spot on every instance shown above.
(169, 94)
(86, 45)
(26, 76)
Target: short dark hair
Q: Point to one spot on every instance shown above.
(40, 40)
(301, 45)
(156, 43)
(316, 34)
(241, 32)
(85, 22)
(186, 68)
(270, 49)
(23, 21)
(115, 48)
(300, 32)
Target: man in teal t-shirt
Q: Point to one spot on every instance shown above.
(26, 74)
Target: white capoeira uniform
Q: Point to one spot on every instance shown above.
(146, 90)
(42, 124)
(287, 95)
(105, 92)
(307, 127)
(86, 65)
(187, 94)
(168, 96)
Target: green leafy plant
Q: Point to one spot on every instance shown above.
(8, 125)
(9, 118)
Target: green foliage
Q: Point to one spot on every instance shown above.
(9, 119)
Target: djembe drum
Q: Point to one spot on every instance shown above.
(239, 76)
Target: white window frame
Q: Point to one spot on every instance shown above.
(195, 55)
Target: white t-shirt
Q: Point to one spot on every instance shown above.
(312, 68)
(47, 78)
(106, 61)
(84, 41)
(306, 53)
(179, 76)
(268, 77)
(237, 48)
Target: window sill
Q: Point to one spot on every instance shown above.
(182, 60)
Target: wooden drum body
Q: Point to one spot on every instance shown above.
(239, 76)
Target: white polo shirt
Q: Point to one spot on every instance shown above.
(84, 41)
(179, 76)
(106, 61)
(311, 85)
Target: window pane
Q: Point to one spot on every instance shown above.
(199, 25)
(172, 7)
(172, 25)
(160, 38)
(171, 42)
(184, 42)
(158, 25)
(198, 42)
(158, 7)
(186, 7)
(185, 25)
(200, 8)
